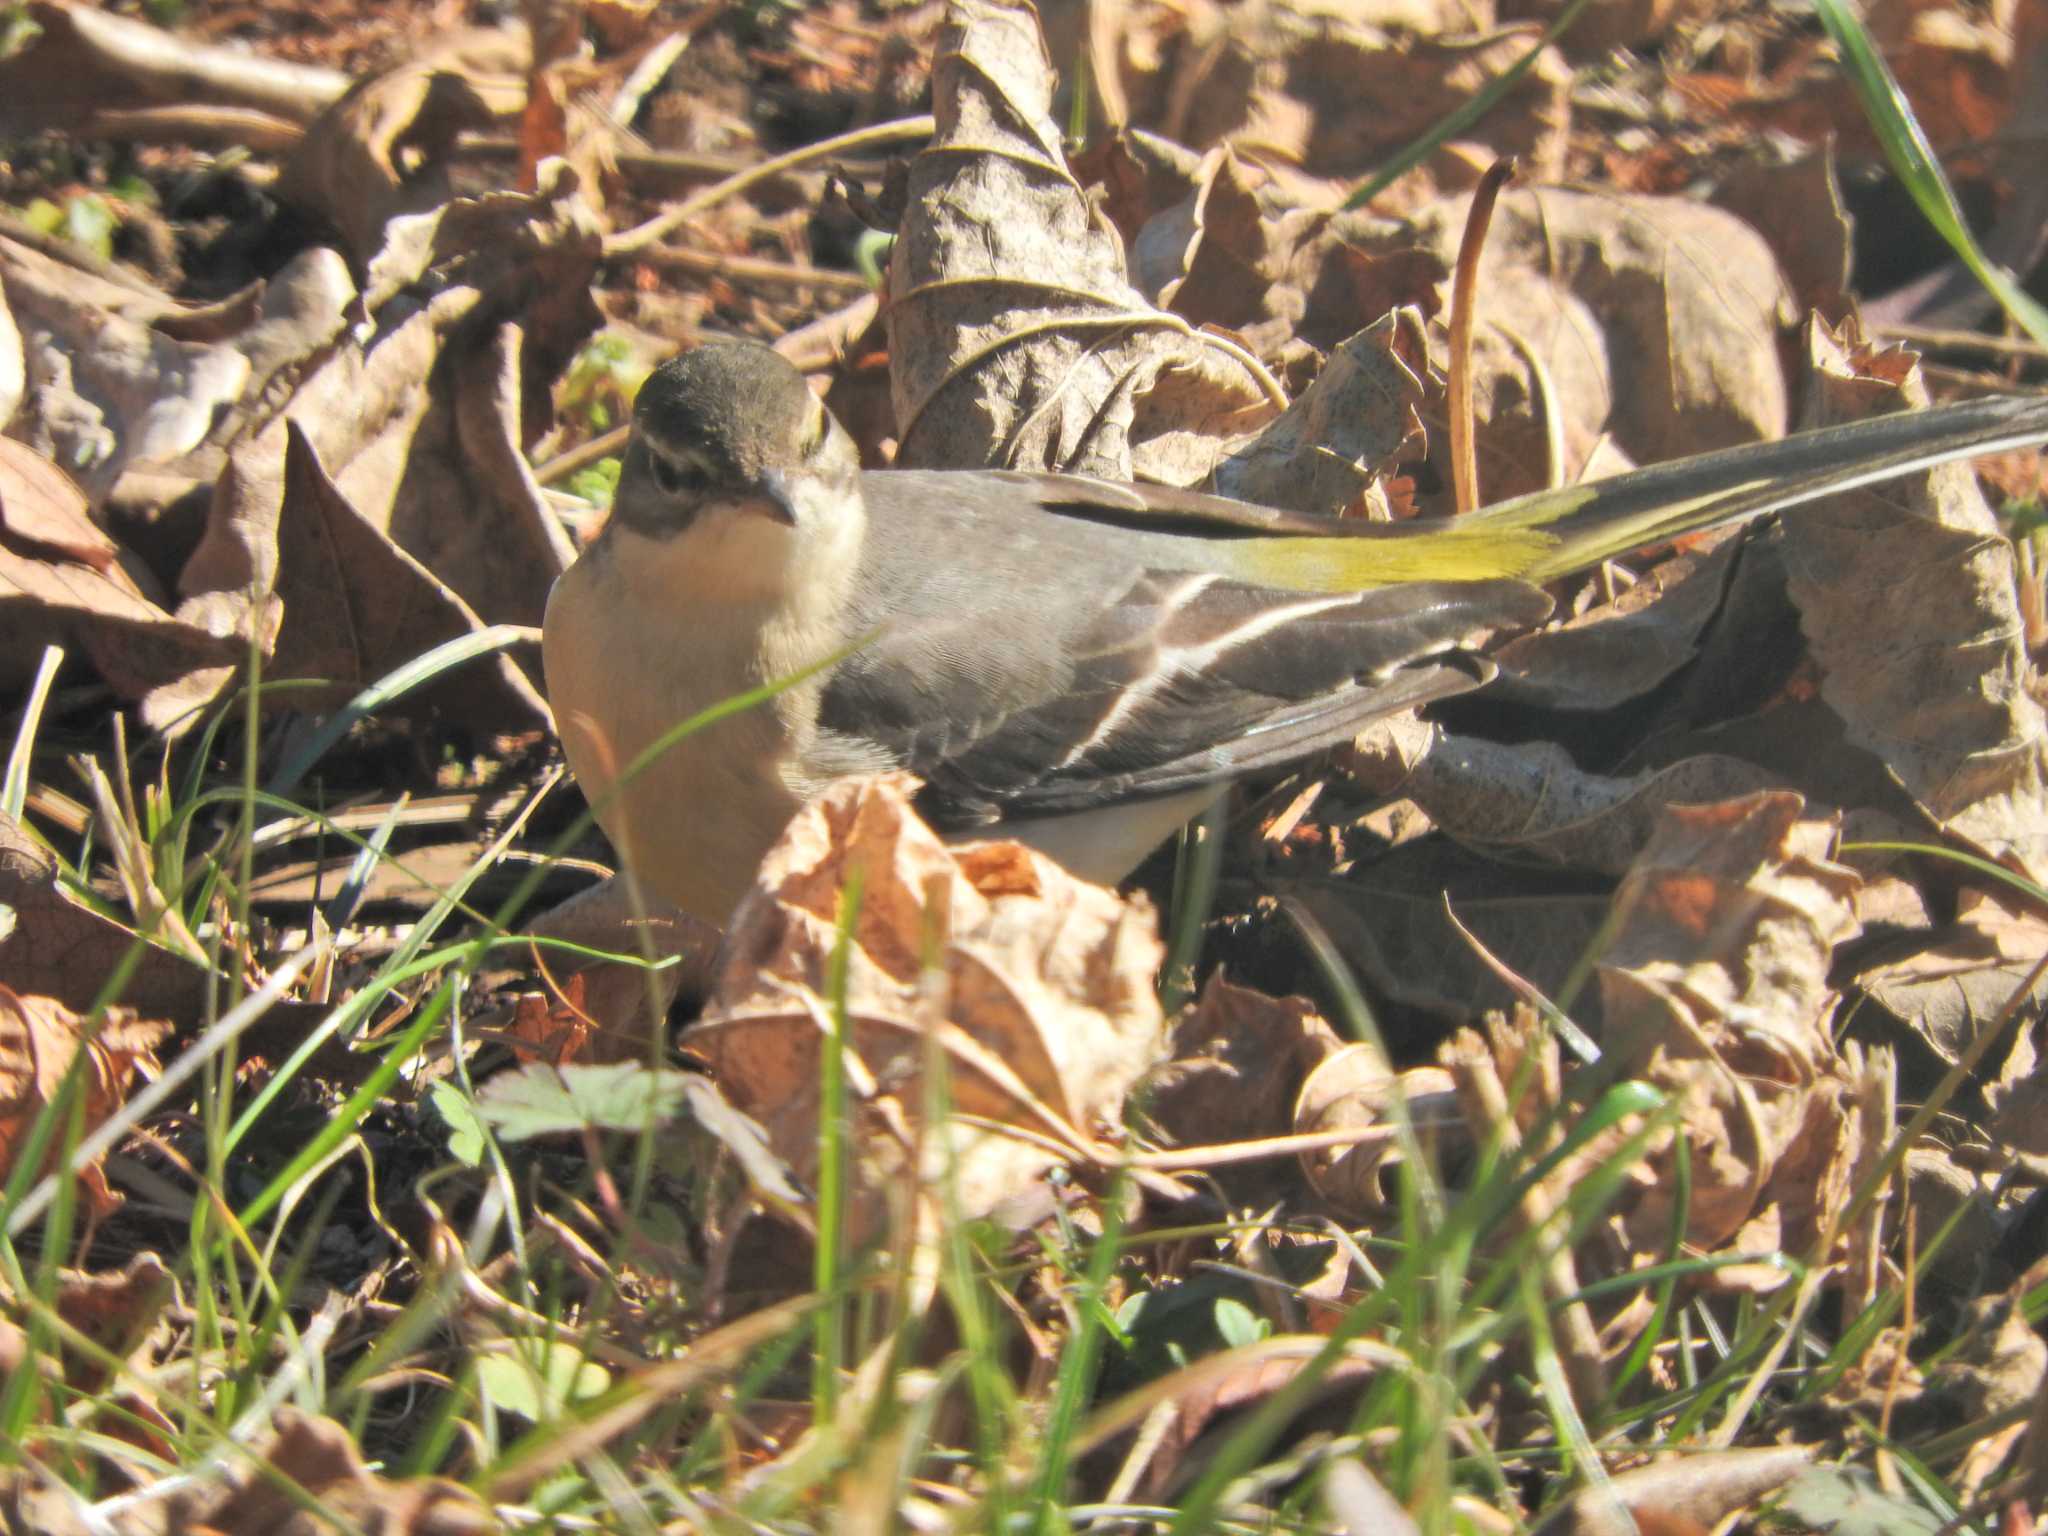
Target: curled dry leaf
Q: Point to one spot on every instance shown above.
(1015, 338)
(382, 149)
(1339, 442)
(391, 427)
(122, 1314)
(1943, 692)
(1532, 798)
(1699, 1490)
(1714, 990)
(39, 1039)
(317, 1456)
(1689, 305)
(624, 1006)
(1354, 1089)
(105, 388)
(1960, 980)
(1033, 990)
(1329, 92)
(63, 582)
(1237, 1064)
(64, 949)
(356, 607)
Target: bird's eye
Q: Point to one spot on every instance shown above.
(673, 478)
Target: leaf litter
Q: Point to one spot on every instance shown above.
(336, 444)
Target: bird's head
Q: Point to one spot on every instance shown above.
(727, 433)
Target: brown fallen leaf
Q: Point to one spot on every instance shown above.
(1015, 338)
(624, 1007)
(39, 1040)
(63, 582)
(382, 149)
(1689, 301)
(1032, 989)
(1714, 989)
(88, 60)
(110, 389)
(356, 607)
(1693, 1492)
(1237, 1062)
(318, 1456)
(1337, 446)
(1943, 693)
(62, 948)
(1354, 1089)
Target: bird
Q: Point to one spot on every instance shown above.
(1077, 664)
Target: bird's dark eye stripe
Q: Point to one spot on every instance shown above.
(674, 478)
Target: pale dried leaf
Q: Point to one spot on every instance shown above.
(1960, 980)
(382, 149)
(89, 60)
(356, 607)
(1702, 1488)
(1015, 338)
(1943, 691)
(1342, 437)
(63, 582)
(1039, 998)
(1532, 798)
(1621, 650)
(104, 388)
(1714, 989)
(318, 1456)
(1354, 1090)
(1689, 302)
(39, 1039)
(64, 949)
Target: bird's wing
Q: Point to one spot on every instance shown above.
(1075, 678)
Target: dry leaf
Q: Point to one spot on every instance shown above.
(62, 582)
(88, 60)
(382, 149)
(1354, 1089)
(1960, 979)
(1942, 692)
(1714, 989)
(39, 1037)
(401, 437)
(318, 1456)
(1689, 301)
(1015, 339)
(1700, 1489)
(105, 388)
(66, 950)
(356, 607)
(625, 1006)
(1532, 798)
(1340, 441)
(1034, 989)
(1237, 1062)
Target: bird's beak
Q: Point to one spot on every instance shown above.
(778, 496)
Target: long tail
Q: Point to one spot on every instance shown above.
(1555, 533)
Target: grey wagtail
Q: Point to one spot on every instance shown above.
(1074, 663)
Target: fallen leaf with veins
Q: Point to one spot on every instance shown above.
(39, 1040)
(1031, 989)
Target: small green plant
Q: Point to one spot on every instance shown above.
(597, 392)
